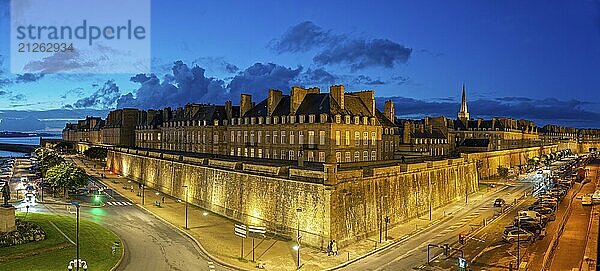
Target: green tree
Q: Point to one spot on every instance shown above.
(64, 146)
(95, 153)
(47, 159)
(66, 175)
(502, 172)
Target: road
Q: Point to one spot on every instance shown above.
(150, 243)
(412, 253)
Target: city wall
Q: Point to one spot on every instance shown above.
(488, 162)
(346, 205)
(578, 147)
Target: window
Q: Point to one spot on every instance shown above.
(365, 156)
(311, 137)
(347, 157)
(338, 118)
(311, 118)
(323, 118)
(386, 146)
(338, 157)
(259, 153)
(267, 137)
(274, 137)
(373, 155)
(373, 138)
(260, 120)
(356, 138)
(301, 137)
(283, 119)
(267, 153)
(232, 152)
(356, 156)
(232, 138)
(275, 120)
(321, 137)
(356, 120)
(282, 137)
(215, 138)
(292, 119)
(283, 154)
(203, 137)
(246, 152)
(337, 138)
(366, 138)
(268, 120)
(274, 154)
(252, 137)
(158, 137)
(239, 151)
(291, 137)
(347, 119)
(347, 138)
(292, 155)
(311, 156)
(251, 152)
(301, 119)
(322, 157)
(259, 138)
(365, 120)
(239, 136)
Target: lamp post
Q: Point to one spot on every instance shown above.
(143, 194)
(77, 234)
(298, 211)
(186, 206)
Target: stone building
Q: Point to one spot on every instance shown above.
(426, 137)
(500, 133)
(87, 130)
(307, 125)
(120, 126)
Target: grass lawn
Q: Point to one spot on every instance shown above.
(95, 246)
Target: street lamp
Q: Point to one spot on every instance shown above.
(297, 247)
(143, 193)
(77, 260)
(186, 206)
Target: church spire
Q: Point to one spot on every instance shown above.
(463, 114)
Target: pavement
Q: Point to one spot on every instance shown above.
(402, 250)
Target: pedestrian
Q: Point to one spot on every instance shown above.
(163, 199)
(334, 248)
(329, 248)
(114, 249)
(132, 188)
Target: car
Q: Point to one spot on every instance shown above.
(586, 200)
(544, 211)
(596, 197)
(529, 225)
(532, 214)
(499, 202)
(519, 235)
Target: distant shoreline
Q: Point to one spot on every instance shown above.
(22, 134)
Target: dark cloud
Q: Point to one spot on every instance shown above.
(78, 92)
(59, 62)
(258, 78)
(28, 77)
(2, 92)
(215, 65)
(190, 85)
(367, 80)
(360, 54)
(303, 37)
(104, 97)
(5, 82)
(18, 98)
(185, 85)
(317, 76)
(401, 80)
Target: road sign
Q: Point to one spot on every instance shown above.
(462, 263)
(241, 230)
(257, 231)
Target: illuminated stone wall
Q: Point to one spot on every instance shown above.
(578, 147)
(488, 162)
(361, 199)
(248, 198)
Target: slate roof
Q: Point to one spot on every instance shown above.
(475, 142)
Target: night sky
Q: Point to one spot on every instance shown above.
(537, 60)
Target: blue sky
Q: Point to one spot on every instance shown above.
(524, 59)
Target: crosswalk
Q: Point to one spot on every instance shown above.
(118, 203)
(458, 224)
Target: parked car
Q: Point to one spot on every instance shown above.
(596, 197)
(533, 215)
(544, 211)
(528, 225)
(499, 202)
(586, 200)
(520, 235)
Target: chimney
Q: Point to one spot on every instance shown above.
(245, 104)
(337, 93)
(368, 98)
(297, 95)
(273, 100)
(228, 110)
(406, 132)
(388, 110)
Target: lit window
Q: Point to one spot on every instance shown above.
(337, 138)
(321, 137)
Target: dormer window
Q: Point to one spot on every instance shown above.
(275, 120)
(301, 119)
(268, 120)
(338, 119)
(252, 120)
(216, 123)
(311, 118)
(260, 120)
(283, 119)
(347, 119)
(323, 118)
(292, 119)
(365, 120)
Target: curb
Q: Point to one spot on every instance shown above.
(122, 254)
(202, 249)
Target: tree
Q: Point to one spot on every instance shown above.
(47, 159)
(65, 146)
(66, 175)
(95, 153)
(502, 172)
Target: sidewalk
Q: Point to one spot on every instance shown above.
(215, 233)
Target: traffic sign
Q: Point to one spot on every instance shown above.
(241, 230)
(257, 229)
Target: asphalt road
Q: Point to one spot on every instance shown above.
(150, 243)
(412, 253)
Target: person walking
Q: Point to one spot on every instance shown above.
(334, 248)
(329, 247)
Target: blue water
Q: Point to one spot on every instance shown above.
(20, 140)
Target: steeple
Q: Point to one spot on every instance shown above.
(463, 114)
